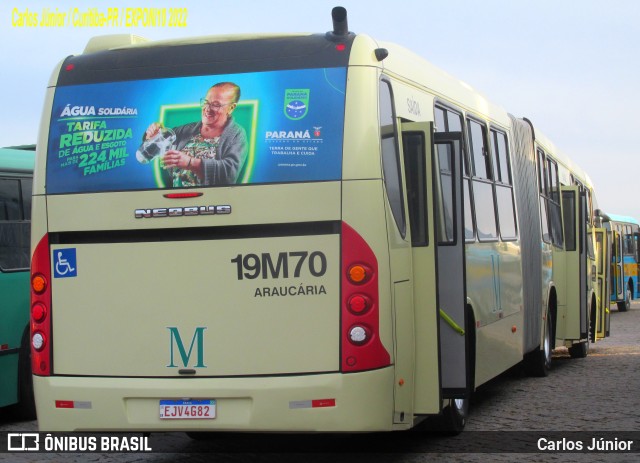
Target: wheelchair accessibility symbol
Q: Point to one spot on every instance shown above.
(65, 263)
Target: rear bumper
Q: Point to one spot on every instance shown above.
(327, 402)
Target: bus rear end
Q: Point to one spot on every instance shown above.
(239, 296)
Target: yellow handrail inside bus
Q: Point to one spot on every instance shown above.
(451, 323)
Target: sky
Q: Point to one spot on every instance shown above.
(570, 66)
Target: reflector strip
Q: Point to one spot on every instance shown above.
(182, 195)
(73, 404)
(320, 403)
(323, 403)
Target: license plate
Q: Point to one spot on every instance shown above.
(188, 409)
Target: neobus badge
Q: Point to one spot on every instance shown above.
(181, 211)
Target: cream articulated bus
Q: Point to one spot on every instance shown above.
(573, 250)
(343, 254)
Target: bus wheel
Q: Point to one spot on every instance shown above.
(538, 362)
(454, 416)
(626, 304)
(579, 350)
(592, 322)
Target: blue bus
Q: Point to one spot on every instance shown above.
(624, 232)
(16, 387)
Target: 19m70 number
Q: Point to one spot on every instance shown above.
(252, 266)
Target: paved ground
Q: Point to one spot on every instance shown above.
(598, 396)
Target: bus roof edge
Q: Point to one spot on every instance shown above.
(106, 42)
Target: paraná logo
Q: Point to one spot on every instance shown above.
(296, 103)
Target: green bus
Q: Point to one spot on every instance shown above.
(16, 173)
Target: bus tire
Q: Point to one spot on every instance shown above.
(25, 409)
(625, 305)
(454, 416)
(592, 321)
(538, 362)
(579, 350)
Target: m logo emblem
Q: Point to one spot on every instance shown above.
(197, 340)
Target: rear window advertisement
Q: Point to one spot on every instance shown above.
(202, 131)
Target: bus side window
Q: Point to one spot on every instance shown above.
(441, 120)
(26, 184)
(569, 210)
(628, 241)
(14, 224)
(591, 252)
(448, 120)
(504, 186)
(10, 199)
(391, 157)
(615, 248)
(483, 195)
(553, 204)
(542, 189)
(445, 190)
(413, 146)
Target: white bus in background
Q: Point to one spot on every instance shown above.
(367, 242)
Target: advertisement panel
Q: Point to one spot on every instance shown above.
(277, 126)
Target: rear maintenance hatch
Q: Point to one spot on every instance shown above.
(212, 306)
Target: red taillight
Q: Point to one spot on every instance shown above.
(41, 309)
(358, 304)
(38, 312)
(361, 345)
